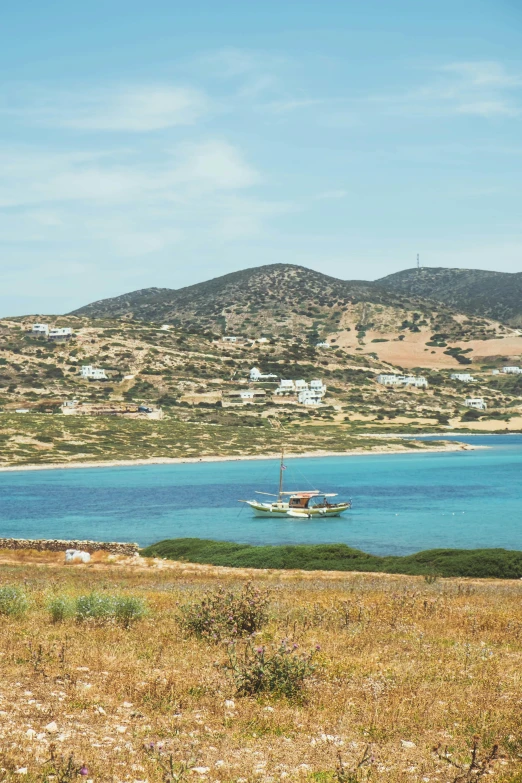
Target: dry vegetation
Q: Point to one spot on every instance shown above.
(405, 666)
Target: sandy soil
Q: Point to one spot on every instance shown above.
(449, 446)
(413, 352)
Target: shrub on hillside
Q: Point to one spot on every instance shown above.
(13, 601)
(227, 614)
(282, 672)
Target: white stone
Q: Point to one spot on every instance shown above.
(52, 727)
(30, 733)
(201, 770)
(230, 704)
(21, 771)
(121, 729)
(408, 744)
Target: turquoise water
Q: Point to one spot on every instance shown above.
(401, 503)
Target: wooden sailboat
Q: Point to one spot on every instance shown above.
(300, 504)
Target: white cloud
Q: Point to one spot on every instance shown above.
(215, 164)
(130, 108)
(481, 89)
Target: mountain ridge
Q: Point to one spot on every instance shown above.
(481, 292)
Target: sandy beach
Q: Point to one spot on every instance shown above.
(448, 446)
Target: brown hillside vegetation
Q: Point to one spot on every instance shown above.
(404, 666)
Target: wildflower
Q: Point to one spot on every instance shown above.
(83, 771)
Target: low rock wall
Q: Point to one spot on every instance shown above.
(57, 545)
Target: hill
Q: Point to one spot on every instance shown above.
(495, 295)
(279, 299)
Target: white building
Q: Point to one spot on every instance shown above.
(513, 370)
(40, 329)
(285, 387)
(418, 381)
(322, 345)
(475, 402)
(257, 375)
(228, 338)
(93, 373)
(465, 377)
(262, 340)
(495, 372)
(301, 385)
(60, 334)
(309, 397)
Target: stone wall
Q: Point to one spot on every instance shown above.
(57, 545)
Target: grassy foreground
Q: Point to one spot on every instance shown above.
(478, 563)
(404, 666)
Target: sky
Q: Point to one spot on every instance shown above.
(166, 143)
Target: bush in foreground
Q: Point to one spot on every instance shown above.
(109, 608)
(227, 613)
(13, 601)
(281, 672)
(60, 608)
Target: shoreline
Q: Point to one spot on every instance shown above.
(450, 446)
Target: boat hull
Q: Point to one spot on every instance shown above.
(261, 510)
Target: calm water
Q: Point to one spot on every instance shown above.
(401, 503)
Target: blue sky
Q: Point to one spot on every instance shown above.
(165, 143)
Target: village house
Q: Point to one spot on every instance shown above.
(93, 373)
(475, 402)
(465, 377)
(419, 381)
(307, 394)
(40, 329)
(257, 375)
(512, 370)
(65, 333)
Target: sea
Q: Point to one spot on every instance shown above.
(402, 503)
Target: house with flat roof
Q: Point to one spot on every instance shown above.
(475, 402)
(93, 373)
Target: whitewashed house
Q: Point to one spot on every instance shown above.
(418, 381)
(512, 370)
(495, 372)
(318, 387)
(93, 373)
(65, 333)
(465, 377)
(229, 338)
(309, 397)
(475, 402)
(40, 329)
(323, 345)
(285, 387)
(257, 375)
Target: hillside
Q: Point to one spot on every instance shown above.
(495, 295)
(197, 382)
(278, 299)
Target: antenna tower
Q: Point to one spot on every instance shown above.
(418, 261)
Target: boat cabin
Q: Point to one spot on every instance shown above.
(301, 500)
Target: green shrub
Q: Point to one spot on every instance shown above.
(227, 614)
(129, 609)
(110, 608)
(13, 601)
(282, 672)
(60, 608)
(94, 606)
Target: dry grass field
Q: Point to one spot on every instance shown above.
(404, 666)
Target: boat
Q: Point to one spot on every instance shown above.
(299, 504)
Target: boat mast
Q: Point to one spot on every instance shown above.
(281, 466)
